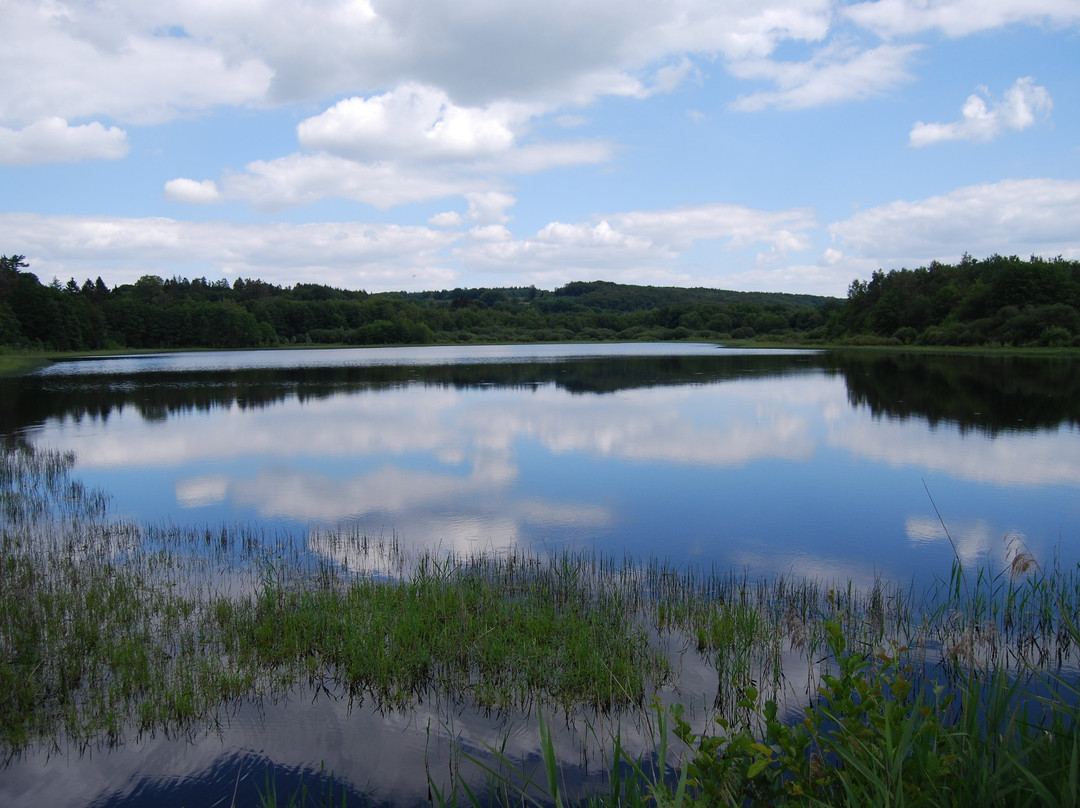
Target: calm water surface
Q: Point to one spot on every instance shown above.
(821, 464)
(772, 461)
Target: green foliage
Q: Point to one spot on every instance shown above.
(872, 736)
(878, 734)
(155, 313)
(997, 301)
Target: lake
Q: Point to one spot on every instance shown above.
(837, 465)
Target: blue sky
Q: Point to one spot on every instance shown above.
(777, 145)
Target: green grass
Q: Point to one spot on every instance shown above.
(19, 364)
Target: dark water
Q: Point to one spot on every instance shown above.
(819, 463)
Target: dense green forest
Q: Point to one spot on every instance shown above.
(997, 301)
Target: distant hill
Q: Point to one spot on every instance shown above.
(609, 296)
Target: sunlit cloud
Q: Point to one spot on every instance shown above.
(1022, 105)
(354, 255)
(1040, 216)
(634, 246)
(191, 191)
(54, 140)
(413, 122)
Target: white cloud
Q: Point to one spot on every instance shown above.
(409, 145)
(491, 232)
(634, 247)
(639, 246)
(351, 255)
(740, 225)
(562, 252)
(413, 121)
(54, 140)
(147, 62)
(1020, 217)
(958, 17)
(299, 179)
(448, 218)
(1022, 104)
(198, 193)
(489, 207)
(75, 60)
(668, 78)
(824, 278)
(834, 75)
(661, 247)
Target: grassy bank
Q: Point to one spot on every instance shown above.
(18, 364)
(109, 629)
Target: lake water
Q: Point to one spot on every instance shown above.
(818, 463)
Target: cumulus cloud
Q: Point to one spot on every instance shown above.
(635, 246)
(638, 246)
(351, 255)
(413, 121)
(491, 232)
(54, 140)
(148, 62)
(489, 207)
(450, 218)
(299, 179)
(834, 75)
(198, 193)
(660, 247)
(72, 60)
(409, 145)
(1010, 217)
(1022, 104)
(740, 225)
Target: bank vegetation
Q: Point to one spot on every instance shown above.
(997, 301)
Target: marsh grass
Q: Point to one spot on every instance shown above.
(826, 693)
(16, 364)
(991, 717)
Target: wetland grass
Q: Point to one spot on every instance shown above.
(826, 693)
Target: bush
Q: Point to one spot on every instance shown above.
(1055, 337)
(906, 335)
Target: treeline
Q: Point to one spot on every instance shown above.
(181, 313)
(997, 301)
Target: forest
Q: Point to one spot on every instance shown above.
(996, 301)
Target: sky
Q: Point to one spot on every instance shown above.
(384, 145)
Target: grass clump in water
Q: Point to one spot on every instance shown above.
(454, 628)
